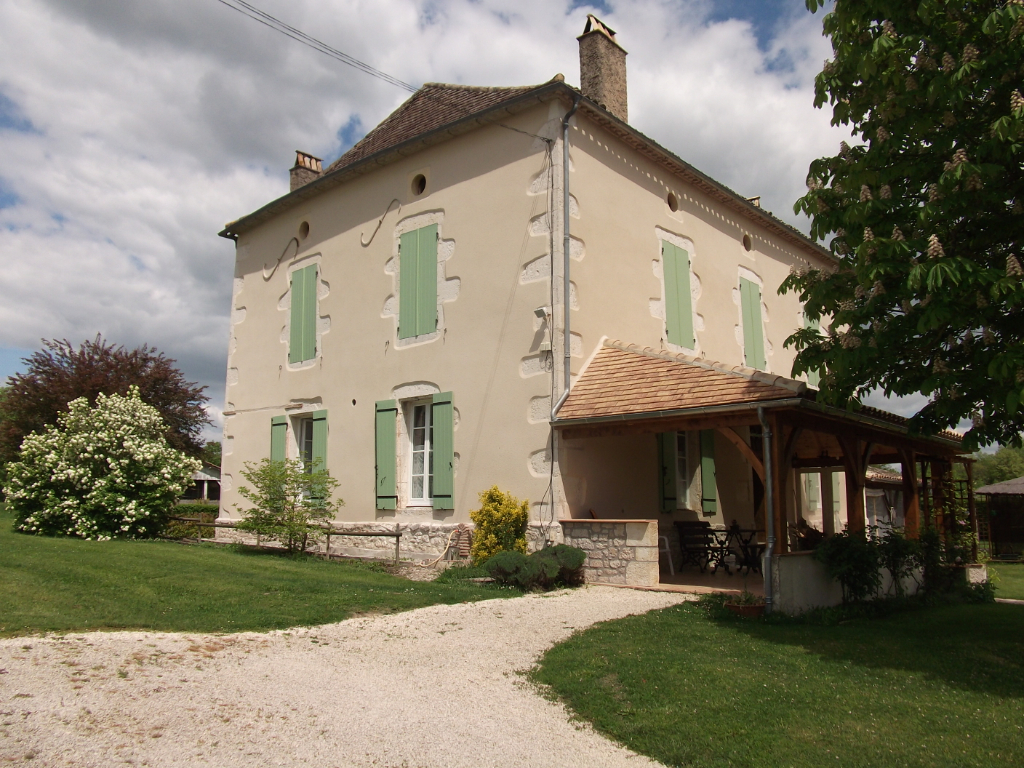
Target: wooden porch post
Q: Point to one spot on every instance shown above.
(971, 509)
(911, 498)
(828, 503)
(938, 499)
(856, 465)
(778, 491)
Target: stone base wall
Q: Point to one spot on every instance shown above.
(420, 540)
(618, 551)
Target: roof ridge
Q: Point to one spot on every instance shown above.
(799, 387)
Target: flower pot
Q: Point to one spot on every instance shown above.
(753, 611)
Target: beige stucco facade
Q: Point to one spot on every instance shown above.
(495, 194)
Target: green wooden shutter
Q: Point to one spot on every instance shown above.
(708, 483)
(387, 458)
(278, 437)
(319, 456)
(426, 281)
(309, 313)
(812, 486)
(408, 282)
(813, 378)
(835, 493)
(302, 336)
(417, 282)
(667, 477)
(678, 302)
(753, 334)
(442, 418)
(298, 316)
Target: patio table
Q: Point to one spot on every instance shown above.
(749, 547)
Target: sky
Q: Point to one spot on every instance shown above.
(133, 130)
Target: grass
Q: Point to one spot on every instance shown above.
(936, 686)
(1009, 579)
(66, 585)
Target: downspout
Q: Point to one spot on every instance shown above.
(566, 336)
(769, 508)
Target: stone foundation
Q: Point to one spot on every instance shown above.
(618, 551)
(420, 540)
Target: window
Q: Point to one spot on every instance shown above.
(812, 491)
(430, 426)
(302, 336)
(304, 438)
(753, 333)
(675, 471)
(421, 466)
(417, 300)
(310, 439)
(678, 302)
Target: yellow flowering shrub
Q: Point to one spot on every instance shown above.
(500, 525)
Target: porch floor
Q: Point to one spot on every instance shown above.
(690, 579)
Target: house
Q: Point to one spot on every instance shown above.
(514, 287)
(205, 484)
(1003, 505)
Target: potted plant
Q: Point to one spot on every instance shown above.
(746, 604)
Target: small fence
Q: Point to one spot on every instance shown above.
(330, 530)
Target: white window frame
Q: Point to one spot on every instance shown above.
(410, 407)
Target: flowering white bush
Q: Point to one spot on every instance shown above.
(102, 472)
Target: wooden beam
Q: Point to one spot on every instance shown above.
(855, 469)
(778, 496)
(741, 445)
(653, 426)
(911, 497)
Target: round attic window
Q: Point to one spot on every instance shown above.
(746, 243)
(419, 184)
(673, 202)
(303, 230)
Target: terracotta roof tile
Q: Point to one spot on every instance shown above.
(624, 379)
(432, 106)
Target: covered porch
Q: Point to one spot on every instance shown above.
(736, 470)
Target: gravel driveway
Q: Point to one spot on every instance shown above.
(439, 686)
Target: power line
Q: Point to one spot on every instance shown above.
(298, 35)
(277, 25)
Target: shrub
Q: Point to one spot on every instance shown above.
(101, 472)
(500, 525)
(289, 504)
(207, 513)
(544, 569)
(851, 558)
(900, 556)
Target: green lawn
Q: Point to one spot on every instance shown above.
(934, 687)
(1009, 580)
(61, 585)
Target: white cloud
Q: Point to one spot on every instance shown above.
(154, 122)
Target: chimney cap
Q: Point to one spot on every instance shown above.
(308, 161)
(594, 24)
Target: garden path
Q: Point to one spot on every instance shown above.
(438, 686)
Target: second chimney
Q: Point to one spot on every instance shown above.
(306, 169)
(603, 68)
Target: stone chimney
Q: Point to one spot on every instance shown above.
(603, 68)
(306, 169)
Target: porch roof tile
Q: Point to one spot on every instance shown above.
(625, 379)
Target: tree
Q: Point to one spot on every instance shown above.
(59, 374)
(290, 503)
(926, 213)
(103, 471)
(1005, 464)
(212, 452)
